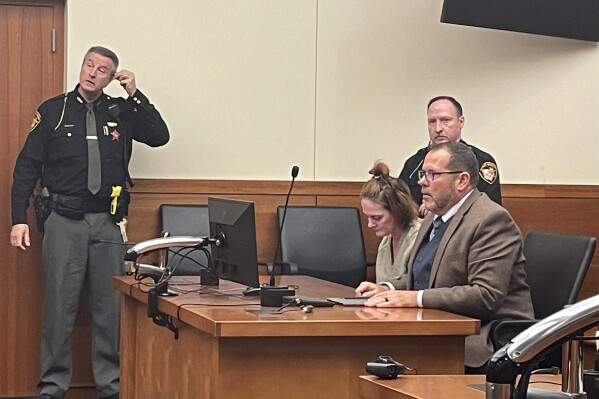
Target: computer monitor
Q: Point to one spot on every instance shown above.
(236, 259)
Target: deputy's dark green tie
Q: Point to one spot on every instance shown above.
(94, 167)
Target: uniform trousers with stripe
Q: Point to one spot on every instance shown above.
(73, 257)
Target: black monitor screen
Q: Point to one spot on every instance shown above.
(237, 259)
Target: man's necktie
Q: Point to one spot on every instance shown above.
(437, 223)
(94, 166)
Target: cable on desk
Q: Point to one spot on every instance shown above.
(181, 306)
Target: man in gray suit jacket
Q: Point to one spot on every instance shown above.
(472, 264)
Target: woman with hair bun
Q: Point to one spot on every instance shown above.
(392, 214)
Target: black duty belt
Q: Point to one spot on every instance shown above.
(87, 205)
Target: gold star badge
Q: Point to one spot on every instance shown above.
(488, 172)
(37, 118)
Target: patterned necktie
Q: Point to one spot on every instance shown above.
(437, 224)
(94, 166)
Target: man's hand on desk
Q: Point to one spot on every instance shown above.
(368, 289)
(393, 299)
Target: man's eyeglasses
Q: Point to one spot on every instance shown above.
(429, 175)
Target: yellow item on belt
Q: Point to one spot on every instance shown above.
(116, 191)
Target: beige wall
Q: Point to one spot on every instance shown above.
(251, 87)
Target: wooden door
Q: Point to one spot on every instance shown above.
(31, 70)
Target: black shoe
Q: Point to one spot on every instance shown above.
(113, 396)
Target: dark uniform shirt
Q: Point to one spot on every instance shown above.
(488, 174)
(56, 147)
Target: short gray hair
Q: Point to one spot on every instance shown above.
(103, 51)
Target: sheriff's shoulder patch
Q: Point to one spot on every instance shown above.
(37, 118)
(488, 172)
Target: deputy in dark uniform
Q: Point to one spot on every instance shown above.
(66, 132)
(445, 123)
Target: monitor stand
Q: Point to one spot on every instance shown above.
(208, 277)
(270, 296)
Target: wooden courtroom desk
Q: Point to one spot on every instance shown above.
(440, 386)
(225, 352)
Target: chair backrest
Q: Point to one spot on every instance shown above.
(185, 220)
(325, 242)
(556, 264)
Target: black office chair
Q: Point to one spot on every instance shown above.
(556, 265)
(324, 242)
(185, 220)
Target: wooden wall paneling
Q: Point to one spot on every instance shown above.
(571, 215)
(572, 209)
(241, 187)
(197, 191)
(144, 221)
(567, 208)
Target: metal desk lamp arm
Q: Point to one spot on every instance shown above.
(130, 261)
(518, 356)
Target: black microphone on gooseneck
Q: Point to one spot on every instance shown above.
(294, 173)
(271, 295)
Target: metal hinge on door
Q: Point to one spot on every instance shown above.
(53, 40)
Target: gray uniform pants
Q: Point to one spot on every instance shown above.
(71, 256)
